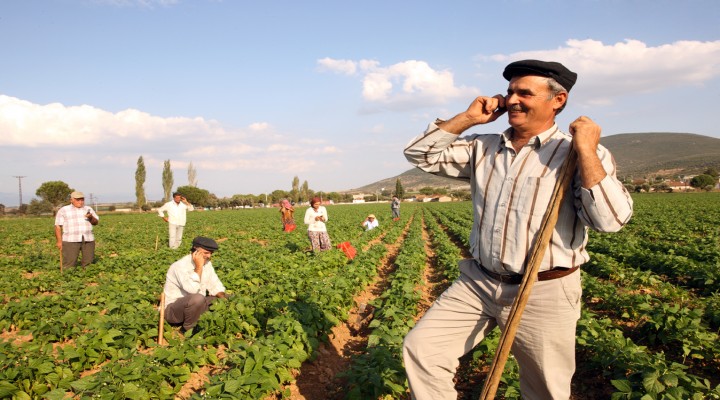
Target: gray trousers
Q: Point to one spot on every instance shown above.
(175, 235)
(187, 310)
(71, 251)
(470, 308)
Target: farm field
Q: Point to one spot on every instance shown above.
(649, 328)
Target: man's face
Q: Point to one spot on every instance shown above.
(206, 254)
(531, 109)
(177, 198)
(79, 203)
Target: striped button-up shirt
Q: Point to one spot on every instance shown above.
(75, 226)
(511, 192)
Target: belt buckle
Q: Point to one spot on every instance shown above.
(505, 278)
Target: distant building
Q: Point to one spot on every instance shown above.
(358, 198)
(427, 199)
(680, 186)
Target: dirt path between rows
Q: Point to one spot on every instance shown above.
(318, 379)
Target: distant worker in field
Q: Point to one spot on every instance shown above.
(74, 231)
(286, 215)
(191, 285)
(176, 217)
(395, 207)
(370, 222)
(315, 218)
(512, 175)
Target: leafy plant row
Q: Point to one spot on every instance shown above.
(671, 328)
(379, 371)
(644, 282)
(633, 371)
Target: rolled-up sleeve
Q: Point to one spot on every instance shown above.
(607, 206)
(440, 153)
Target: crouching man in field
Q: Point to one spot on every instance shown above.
(192, 285)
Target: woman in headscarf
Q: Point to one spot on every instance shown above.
(286, 216)
(315, 218)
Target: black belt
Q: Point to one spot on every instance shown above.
(514, 279)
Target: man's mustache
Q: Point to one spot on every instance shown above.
(516, 107)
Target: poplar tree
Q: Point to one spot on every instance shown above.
(192, 175)
(295, 192)
(399, 191)
(140, 183)
(305, 191)
(167, 180)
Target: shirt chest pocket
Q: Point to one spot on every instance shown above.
(534, 195)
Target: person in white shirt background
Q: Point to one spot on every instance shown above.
(315, 218)
(370, 222)
(176, 210)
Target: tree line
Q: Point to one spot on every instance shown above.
(54, 194)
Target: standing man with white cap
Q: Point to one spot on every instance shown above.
(74, 231)
(176, 217)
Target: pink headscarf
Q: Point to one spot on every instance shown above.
(285, 203)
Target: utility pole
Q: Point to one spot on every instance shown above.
(20, 189)
(93, 201)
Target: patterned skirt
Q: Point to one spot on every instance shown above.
(319, 240)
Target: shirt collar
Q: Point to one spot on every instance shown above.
(535, 141)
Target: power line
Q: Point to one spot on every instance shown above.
(20, 189)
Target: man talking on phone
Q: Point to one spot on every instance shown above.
(191, 285)
(176, 217)
(512, 174)
(74, 231)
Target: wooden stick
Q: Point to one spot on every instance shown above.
(161, 325)
(157, 237)
(567, 171)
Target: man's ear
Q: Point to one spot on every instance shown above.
(559, 100)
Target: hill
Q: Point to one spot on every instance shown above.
(667, 154)
(663, 153)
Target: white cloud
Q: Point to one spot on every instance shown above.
(346, 67)
(66, 139)
(311, 141)
(30, 125)
(259, 126)
(606, 71)
(403, 85)
(327, 150)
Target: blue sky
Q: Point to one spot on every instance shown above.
(254, 93)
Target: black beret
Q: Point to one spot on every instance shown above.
(550, 69)
(206, 243)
